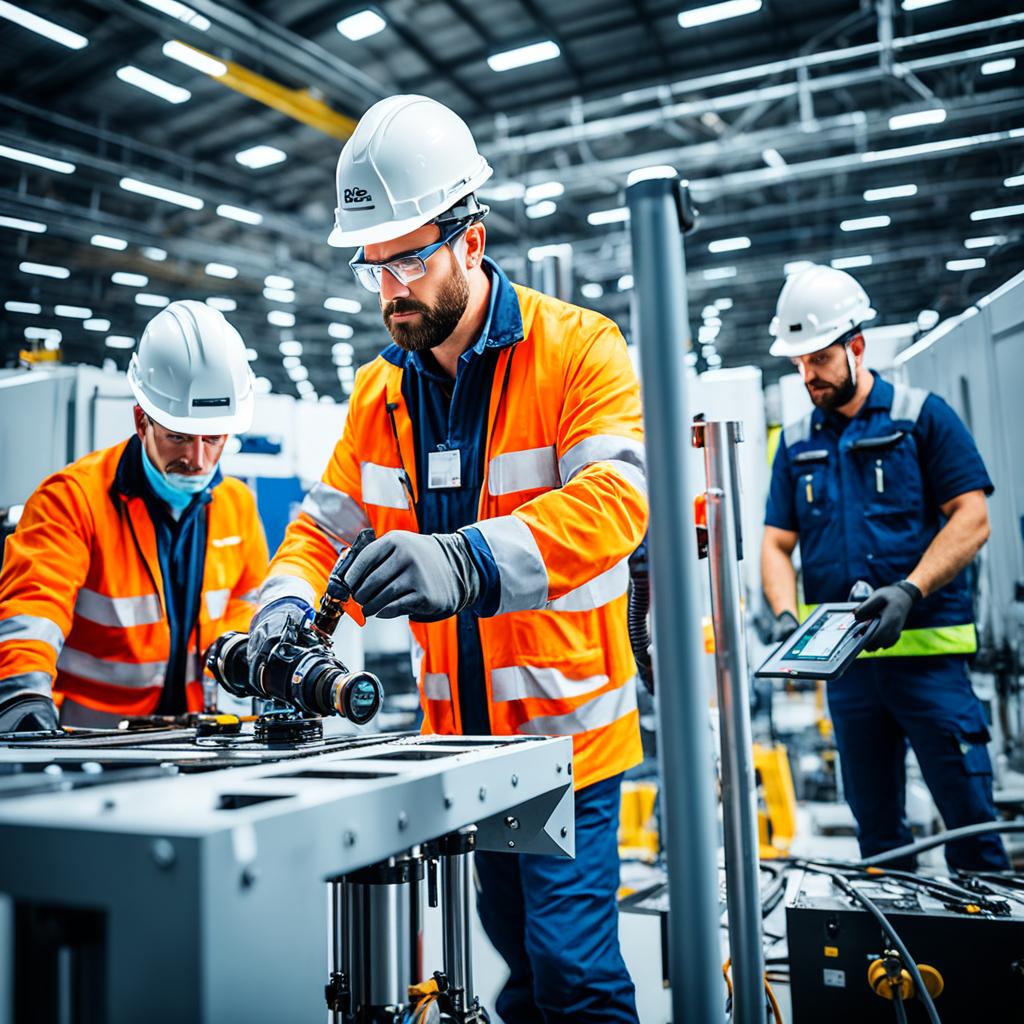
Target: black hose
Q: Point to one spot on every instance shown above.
(941, 839)
(639, 631)
(897, 1002)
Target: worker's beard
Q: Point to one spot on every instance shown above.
(435, 323)
(832, 396)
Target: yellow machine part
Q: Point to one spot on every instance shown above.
(882, 985)
(638, 827)
(777, 819)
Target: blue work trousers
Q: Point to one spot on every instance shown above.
(556, 923)
(879, 705)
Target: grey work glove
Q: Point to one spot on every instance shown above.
(426, 576)
(268, 626)
(28, 712)
(891, 605)
(782, 627)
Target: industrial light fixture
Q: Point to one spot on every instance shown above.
(708, 311)
(719, 273)
(361, 25)
(773, 158)
(263, 386)
(795, 266)
(876, 195)
(729, 244)
(697, 16)
(336, 330)
(252, 355)
(44, 270)
(23, 307)
(613, 216)
(97, 324)
(917, 118)
(152, 84)
(974, 263)
(257, 157)
(73, 312)
(544, 190)
(916, 5)
(544, 208)
(277, 281)
(224, 270)
(342, 348)
(167, 195)
(278, 295)
(108, 242)
(339, 304)
(849, 262)
(919, 149)
(652, 171)
(43, 334)
(502, 192)
(131, 280)
(591, 290)
(865, 223)
(625, 283)
(927, 319)
(998, 67)
(723, 304)
(43, 27)
(37, 160)
(281, 318)
(298, 372)
(984, 242)
(17, 224)
(221, 303)
(119, 341)
(180, 11)
(521, 56)
(239, 213)
(1015, 182)
(341, 358)
(148, 299)
(151, 252)
(996, 212)
(290, 361)
(290, 348)
(194, 58)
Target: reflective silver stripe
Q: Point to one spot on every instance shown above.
(124, 612)
(382, 485)
(603, 448)
(275, 587)
(519, 682)
(226, 542)
(196, 666)
(119, 673)
(521, 568)
(25, 683)
(528, 470)
(335, 511)
(907, 402)
(600, 711)
(797, 432)
(595, 593)
(252, 596)
(75, 714)
(32, 627)
(436, 686)
(217, 602)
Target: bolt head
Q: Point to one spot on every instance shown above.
(515, 780)
(349, 838)
(512, 822)
(512, 844)
(448, 802)
(162, 851)
(483, 793)
(563, 831)
(403, 820)
(250, 875)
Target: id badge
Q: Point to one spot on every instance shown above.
(444, 469)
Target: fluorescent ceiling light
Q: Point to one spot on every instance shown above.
(717, 12)
(194, 58)
(719, 273)
(17, 224)
(278, 295)
(225, 305)
(996, 212)
(723, 304)
(240, 214)
(708, 311)
(120, 341)
(707, 333)
(43, 334)
(975, 263)
(252, 355)
(544, 190)
(281, 318)
(917, 118)
(151, 84)
(916, 5)
(108, 242)
(1015, 182)
(538, 252)
(97, 324)
(985, 242)
(288, 362)
(73, 312)
(342, 348)
(340, 331)
(290, 348)
(147, 299)
(613, 216)
(224, 270)
(263, 386)
(875, 195)
(523, 55)
(653, 171)
(902, 152)
(729, 244)
(847, 262)
(297, 373)
(625, 283)
(361, 25)
(865, 223)
(260, 156)
(713, 321)
(998, 67)
(23, 307)
(341, 358)
(773, 158)
(43, 27)
(167, 195)
(151, 252)
(796, 266)
(542, 209)
(927, 319)
(46, 162)
(277, 281)
(503, 191)
(342, 305)
(591, 290)
(44, 270)
(131, 280)
(180, 11)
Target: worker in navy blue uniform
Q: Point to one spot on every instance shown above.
(882, 483)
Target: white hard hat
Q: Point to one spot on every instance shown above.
(817, 306)
(190, 372)
(409, 159)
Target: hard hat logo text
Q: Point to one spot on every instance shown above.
(357, 197)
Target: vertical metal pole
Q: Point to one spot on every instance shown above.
(656, 210)
(739, 793)
(456, 887)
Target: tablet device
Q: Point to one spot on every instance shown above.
(822, 647)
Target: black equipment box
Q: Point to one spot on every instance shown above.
(833, 940)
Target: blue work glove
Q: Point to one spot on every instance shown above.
(28, 712)
(268, 626)
(782, 627)
(891, 605)
(426, 576)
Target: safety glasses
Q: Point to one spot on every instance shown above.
(405, 269)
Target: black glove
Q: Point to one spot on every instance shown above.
(891, 605)
(426, 576)
(28, 712)
(268, 626)
(782, 627)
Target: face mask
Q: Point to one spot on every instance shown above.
(174, 488)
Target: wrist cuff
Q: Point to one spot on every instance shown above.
(911, 590)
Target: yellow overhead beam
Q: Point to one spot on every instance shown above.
(299, 104)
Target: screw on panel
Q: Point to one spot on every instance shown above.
(512, 822)
(563, 832)
(515, 780)
(483, 793)
(448, 801)
(250, 873)
(512, 843)
(349, 838)
(558, 769)
(403, 820)
(108, 804)
(162, 851)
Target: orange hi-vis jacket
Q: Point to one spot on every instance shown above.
(562, 506)
(82, 595)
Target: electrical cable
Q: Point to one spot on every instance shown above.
(966, 832)
(897, 1002)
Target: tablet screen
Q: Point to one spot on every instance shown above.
(823, 640)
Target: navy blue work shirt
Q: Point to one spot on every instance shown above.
(865, 495)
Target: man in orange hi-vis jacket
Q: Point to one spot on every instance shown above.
(496, 448)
